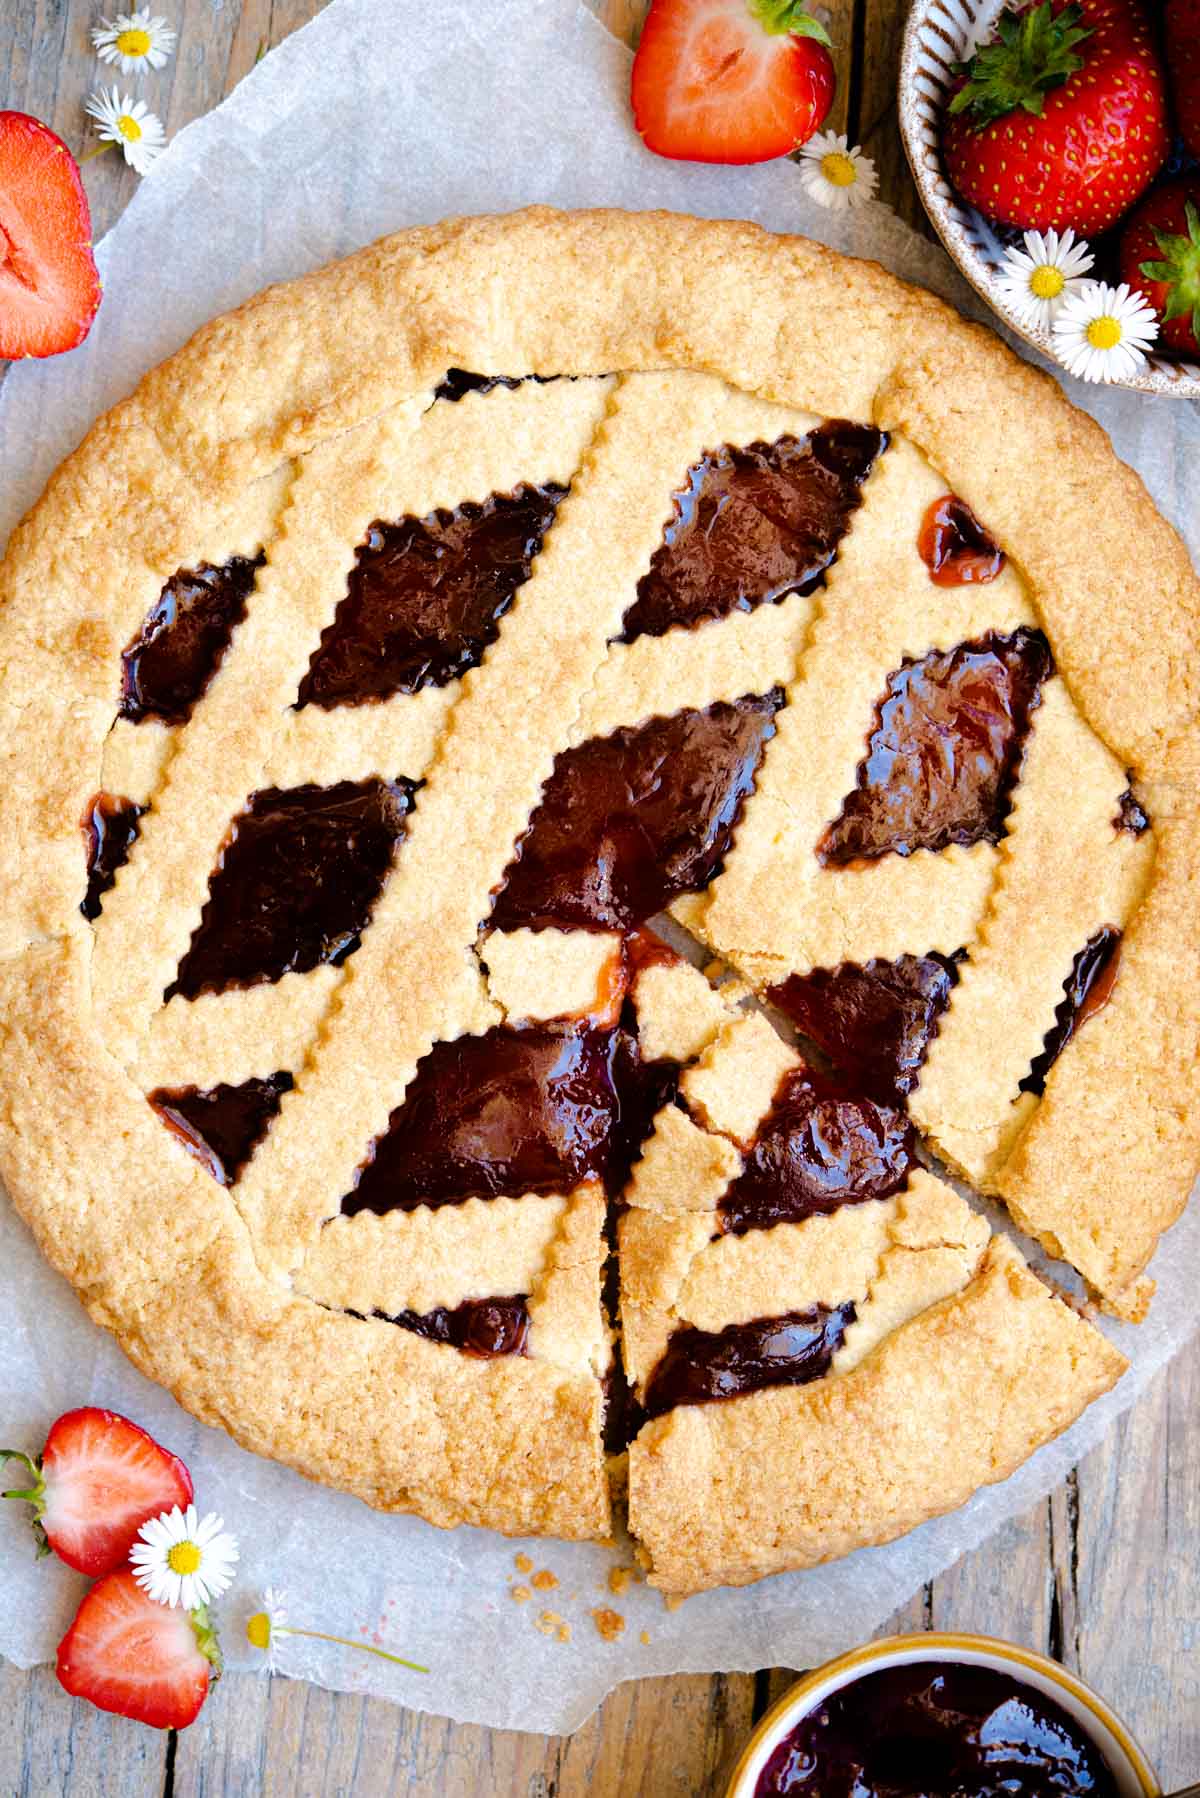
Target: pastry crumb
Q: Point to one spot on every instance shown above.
(644, 1638)
(673, 1600)
(620, 1579)
(563, 1633)
(523, 1563)
(610, 1624)
(544, 1580)
(551, 1624)
(522, 1594)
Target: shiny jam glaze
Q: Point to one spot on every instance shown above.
(222, 1126)
(295, 882)
(699, 1365)
(485, 1328)
(954, 545)
(874, 1022)
(109, 828)
(945, 750)
(628, 822)
(186, 633)
(425, 598)
(1130, 816)
(818, 1148)
(752, 525)
(1086, 990)
(941, 1729)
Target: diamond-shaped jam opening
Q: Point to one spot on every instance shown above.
(184, 638)
(295, 883)
(818, 1148)
(944, 753)
(954, 545)
(874, 1022)
(223, 1125)
(486, 1328)
(752, 525)
(630, 821)
(1086, 990)
(109, 828)
(790, 1350)
(425, 597)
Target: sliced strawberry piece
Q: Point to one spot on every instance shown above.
(96, 1482)
(126, 1653)
(730, 80)
(49, 287)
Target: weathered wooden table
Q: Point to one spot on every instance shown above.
(1105, 1574)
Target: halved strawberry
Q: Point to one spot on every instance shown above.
(97, 1480)
(49, 287)
(127, 1653)
(730, 80)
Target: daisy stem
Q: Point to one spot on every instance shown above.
(319, 1635)
(99, 150)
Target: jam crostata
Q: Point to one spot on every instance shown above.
(563, 777)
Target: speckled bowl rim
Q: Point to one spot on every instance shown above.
(933, 1646)
(964, 232)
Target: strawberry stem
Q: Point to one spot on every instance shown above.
(1034, 52)
(35, 1493)
(780, 18)
(1179, 268)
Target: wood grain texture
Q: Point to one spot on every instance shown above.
(1104, 1574)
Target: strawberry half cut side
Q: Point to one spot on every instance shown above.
(49, 286)
(144, 1660)
(98, 1478)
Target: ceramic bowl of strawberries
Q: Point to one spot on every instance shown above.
(1056, 148)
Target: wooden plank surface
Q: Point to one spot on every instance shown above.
(1104, 1574)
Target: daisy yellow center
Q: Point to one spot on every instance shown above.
(184, 1557)
(1104, 333)
(838, 169)
(133, 42)
(258, 1630)
(1047, 281)
(129, 128)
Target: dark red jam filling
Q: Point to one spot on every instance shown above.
(941, 1729)
(1086, 990)
(945, 750)
(699, 1365)
(485, 1328)
(515, 1111)
(109, 827)
(817, 1149)
(179, 648)
(628, 822)
(425, 597)
(874, 1022)
(954, 545)
(460, 381)
(223, 1126)
(295, 883)
(753, 525)
(1130, 816)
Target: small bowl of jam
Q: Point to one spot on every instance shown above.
(946, 1716)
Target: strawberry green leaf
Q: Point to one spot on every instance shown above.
(1179, 269)
(205, 1633)
(778, 17)
(1034, 53)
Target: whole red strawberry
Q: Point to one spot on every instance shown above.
(1183, 65)
(1061, 119)
(1160, 253)
(49, 288)
(730, 80)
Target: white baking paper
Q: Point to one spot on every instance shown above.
(383, 113)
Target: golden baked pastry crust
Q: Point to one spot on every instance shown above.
(273, 429)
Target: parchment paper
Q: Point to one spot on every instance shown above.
(383, 113)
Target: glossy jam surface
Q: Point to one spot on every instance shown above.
(791, 1350)
(1130, 816)
(817, 1149)
(752, 525)
(874, 1022)
(628, 822)
(295, 882)
(222, 1126)
(179, 648)
(109, 827)
(425, 598)
(954, 545)
(940, 1729)
(1086, 991)
(482, 1327)
(945, 750)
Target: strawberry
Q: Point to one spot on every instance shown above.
(127, 1653)
(730, 80)
(49, 287)
(1183, 65)
(1160, 253)
(1060, 119)
(97, 1480)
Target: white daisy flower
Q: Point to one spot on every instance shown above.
(264, 1629)
(1036, 280)
(127, 122)
(833, 174)
(134, 40)
(183, 1559)
(1102, 333)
